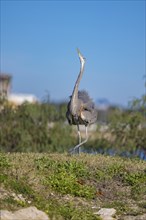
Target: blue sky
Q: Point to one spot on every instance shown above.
(39, 41)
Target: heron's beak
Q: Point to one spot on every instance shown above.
(80, 55)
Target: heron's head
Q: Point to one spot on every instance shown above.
(82, 59)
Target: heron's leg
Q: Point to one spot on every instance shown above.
(79, 134)
(79, 137)
(83, 142)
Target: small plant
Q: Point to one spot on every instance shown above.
(66, 177)
(142, 204)
(70, 212)
(119, 205)
(20, 186)
(4, 165)
(10, 203)
(4, 162)
(135, 178)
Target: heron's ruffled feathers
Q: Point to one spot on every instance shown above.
(84, 96)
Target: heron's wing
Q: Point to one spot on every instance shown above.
(83, 95)
(89, 117)
(87, 102)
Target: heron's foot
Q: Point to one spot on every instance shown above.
(74, 151)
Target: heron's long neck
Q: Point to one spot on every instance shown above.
(74, 99)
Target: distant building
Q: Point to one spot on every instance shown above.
(5, 84)
(16, 99)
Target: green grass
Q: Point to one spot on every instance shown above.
(68, 187)
(65, 177)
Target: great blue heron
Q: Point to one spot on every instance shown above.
(81, 109)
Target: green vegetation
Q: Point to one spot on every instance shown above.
(34, 128)
(129, 128)
(42, 127)
(68, 187)
(72, 187)
(66, 177)
(125, 135)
